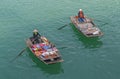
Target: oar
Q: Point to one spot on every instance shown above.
(19, 54)
(99, 21)
(92, 23)
(63, 26)
(104, 23)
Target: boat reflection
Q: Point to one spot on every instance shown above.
(93, 42)
(49, 69)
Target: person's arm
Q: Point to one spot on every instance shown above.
(39, 34)
(78, 14)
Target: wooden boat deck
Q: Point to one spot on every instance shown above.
(88, 28)
(50, 59)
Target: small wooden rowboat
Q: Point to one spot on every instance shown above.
(44, 51)
(88, 28)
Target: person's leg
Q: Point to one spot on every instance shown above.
(80, 19)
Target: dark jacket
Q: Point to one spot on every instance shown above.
(36, 35)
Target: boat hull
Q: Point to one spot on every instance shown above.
(88, 28)
(53, 57)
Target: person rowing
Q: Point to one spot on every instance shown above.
(81, 17)
(36, 36)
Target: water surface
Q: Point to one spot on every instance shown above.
(84, 58)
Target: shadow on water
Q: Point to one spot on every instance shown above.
(50, 69)
(88, 42)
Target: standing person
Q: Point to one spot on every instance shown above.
(36, 36)
(81, 16)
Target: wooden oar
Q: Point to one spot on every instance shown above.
(19, 54)
(104, 23)
(62, 27)
(98, 21)
(92, 23)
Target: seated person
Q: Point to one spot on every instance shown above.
(36, 36)
(81, 16)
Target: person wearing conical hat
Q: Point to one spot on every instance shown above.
(36, 35)
(81, 16)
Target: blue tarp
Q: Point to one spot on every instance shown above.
(46, 47)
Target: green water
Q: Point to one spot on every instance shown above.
(96, 58)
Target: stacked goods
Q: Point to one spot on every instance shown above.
(44, 50)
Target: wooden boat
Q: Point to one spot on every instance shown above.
(44, 50)
(88, 28)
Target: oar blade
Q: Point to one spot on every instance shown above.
(19, 54)
(62, 27)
